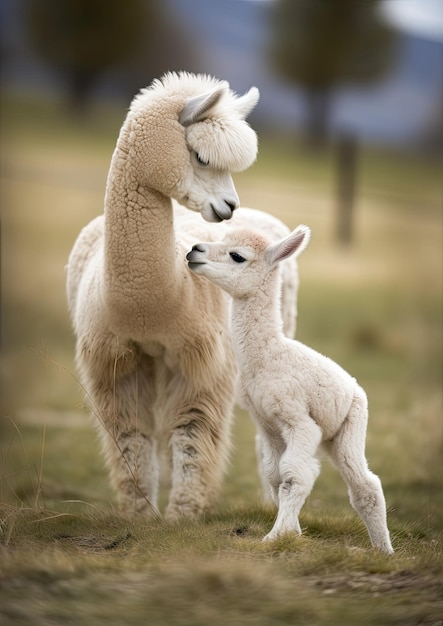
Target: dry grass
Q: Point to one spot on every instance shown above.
(67, 557)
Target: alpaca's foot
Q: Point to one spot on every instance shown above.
(139, 507)
(188, 510)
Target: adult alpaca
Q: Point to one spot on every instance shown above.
(153, 349)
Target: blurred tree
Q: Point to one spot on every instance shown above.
(320, 44)
(167, 47)
(82, 39)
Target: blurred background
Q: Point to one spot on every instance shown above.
(371, 68)
(350, 132)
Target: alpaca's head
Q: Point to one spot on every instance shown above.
(244, 259)
(188, 133)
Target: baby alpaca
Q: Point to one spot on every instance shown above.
(300, 399)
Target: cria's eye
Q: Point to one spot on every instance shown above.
(200, 160)
(237, 257)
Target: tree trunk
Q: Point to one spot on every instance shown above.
(80, 84)
(318, 111)
(346, 156)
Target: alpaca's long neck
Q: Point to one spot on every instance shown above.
(140, 247)
(257, 326)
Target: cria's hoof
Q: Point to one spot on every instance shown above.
(386, 549)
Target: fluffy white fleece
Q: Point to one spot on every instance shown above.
(300, 399)
(153, 346)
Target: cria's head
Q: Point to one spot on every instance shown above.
(188, 133)
(240, 263)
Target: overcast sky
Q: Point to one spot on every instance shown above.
(418, 17)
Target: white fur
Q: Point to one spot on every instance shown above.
(300, 399)
(153, 350)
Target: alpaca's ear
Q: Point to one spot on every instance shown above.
(197, 107)
(296, 242)
(247, 102)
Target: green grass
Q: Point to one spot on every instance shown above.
(67, 556)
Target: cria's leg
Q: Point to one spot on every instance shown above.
(199, 446)
(347, 451)
(260, 456)
(268, 457)
(299, 469)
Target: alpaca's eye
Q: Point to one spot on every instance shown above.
(237, 257)
(200, 160)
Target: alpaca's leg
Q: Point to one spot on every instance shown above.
(199, 445)
(347, 450)
(299, 469)
(134, 469)
(127, 432)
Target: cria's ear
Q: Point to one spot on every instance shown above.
(296, 242)
(247, 102)
(197, 107)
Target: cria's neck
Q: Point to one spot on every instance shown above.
(257, 325)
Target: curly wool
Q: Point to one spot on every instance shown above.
(300, 399)
(153, 345)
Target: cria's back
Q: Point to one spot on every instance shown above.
(328, 389)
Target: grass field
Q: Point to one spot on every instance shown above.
(67, 556)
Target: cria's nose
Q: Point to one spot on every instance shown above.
(193, 255)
